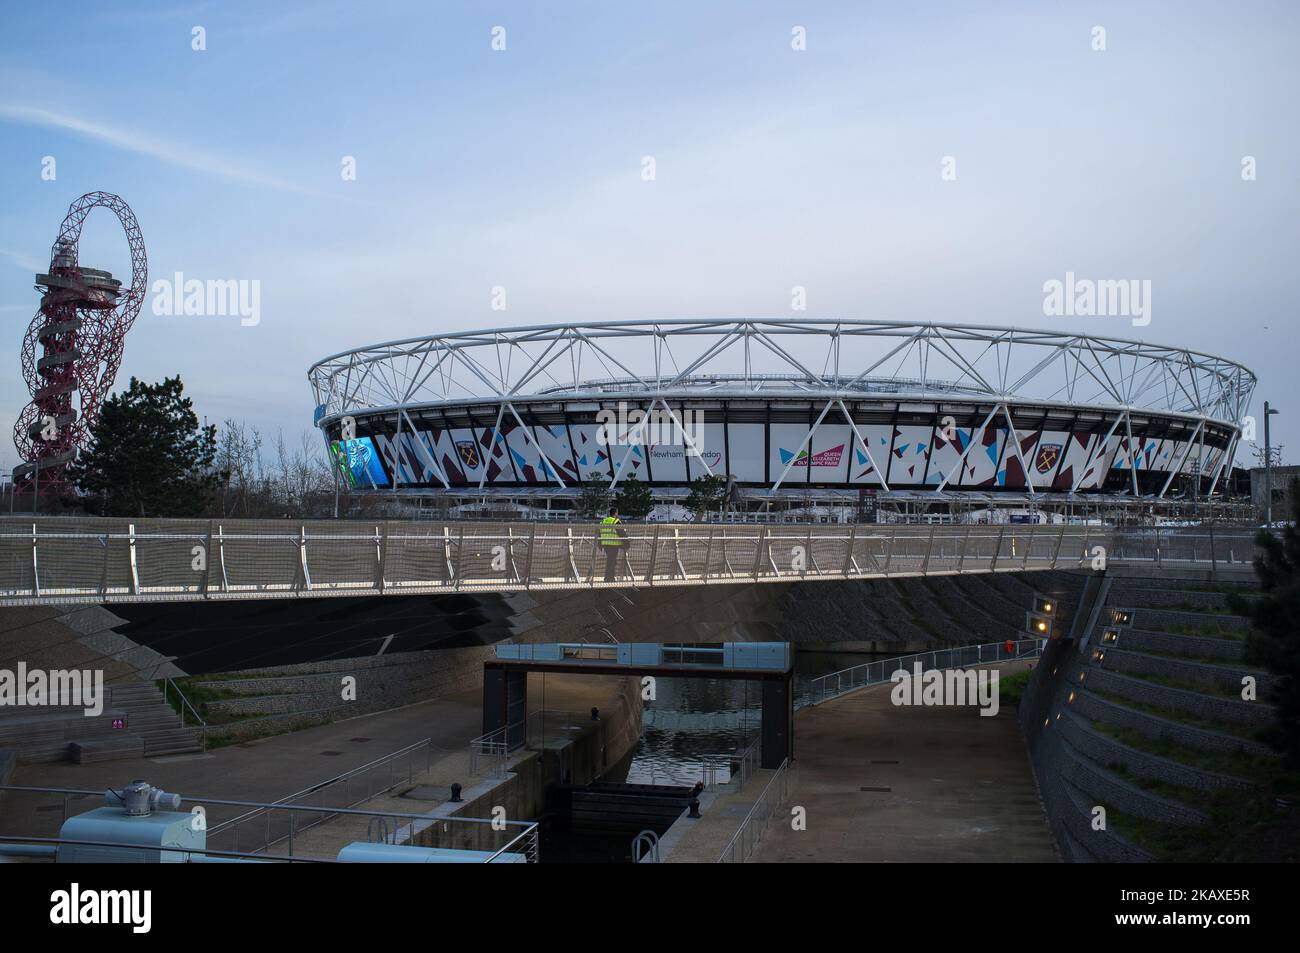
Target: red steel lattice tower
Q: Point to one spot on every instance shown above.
(73, 347)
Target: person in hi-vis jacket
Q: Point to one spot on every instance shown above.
(612, 537)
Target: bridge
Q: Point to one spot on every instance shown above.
(55, 560)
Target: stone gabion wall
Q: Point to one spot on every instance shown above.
(1154, 727)
(1207, 707)
(1069, 809)
(1119, 658)
(1173, 599)
(1163, 619)
(1104, 750)
(1141, 640)
(296, 696)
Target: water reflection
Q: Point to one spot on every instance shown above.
(695, 725)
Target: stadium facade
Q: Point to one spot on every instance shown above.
(783, 409)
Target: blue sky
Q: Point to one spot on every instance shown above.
(775, 168)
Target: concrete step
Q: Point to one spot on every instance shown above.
(92, 750)
(176, 741)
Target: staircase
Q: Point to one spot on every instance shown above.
(152, 718)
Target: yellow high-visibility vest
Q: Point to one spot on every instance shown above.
(609, 536)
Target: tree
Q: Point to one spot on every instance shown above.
(1272, 458)
(593, 500)
(148, 456)
(708, 492)
(634, 499)
(1274, 640)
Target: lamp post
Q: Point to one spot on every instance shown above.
(1268, 468)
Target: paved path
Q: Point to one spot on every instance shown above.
(888, 783)
(271, 768)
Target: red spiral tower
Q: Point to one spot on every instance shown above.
(73, 347)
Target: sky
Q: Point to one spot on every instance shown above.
(923, 161)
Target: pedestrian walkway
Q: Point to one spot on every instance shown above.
(886, 783)
(268, 769)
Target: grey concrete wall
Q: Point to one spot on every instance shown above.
(522, 794)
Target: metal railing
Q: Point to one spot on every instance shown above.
(184, 707)
(835, 684)
(488, 753)
(268, 825)
(1202, 546)
(742, 844)
(71, 560)
(517, 836)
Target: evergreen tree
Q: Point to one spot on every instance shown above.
(148, 456)
(707, 493)
(593, 500)
(1274, 641)
(634, 499)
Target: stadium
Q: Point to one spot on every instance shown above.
(818, 417)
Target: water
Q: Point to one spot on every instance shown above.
(691, 722)
(696, 725)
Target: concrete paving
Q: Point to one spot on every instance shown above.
(268, 769)
(887, 783)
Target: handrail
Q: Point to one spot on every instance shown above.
(185, 703)
(100, 561)
(288, 798)
(529, 827)
(203, 851)
(846, 680)
(750, 833)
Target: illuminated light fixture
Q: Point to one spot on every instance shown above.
(1070, 700)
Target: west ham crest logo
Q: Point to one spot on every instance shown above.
(1048, 454)
(468, 451)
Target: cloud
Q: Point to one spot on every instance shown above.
(173, 153)
(24, 261)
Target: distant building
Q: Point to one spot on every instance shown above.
(1282, 477)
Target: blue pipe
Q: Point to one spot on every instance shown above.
(28, 850)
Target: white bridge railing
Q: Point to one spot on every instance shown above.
(59, 560)
(825, 687)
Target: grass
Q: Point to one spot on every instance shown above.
(201, 697)
(1245, 826)
(1239, 763)
(1183, 657)
(1199, 609)
(1202, 688)
(1201, 631)
(1011, 688)
(1173, 714)
(1188, 796)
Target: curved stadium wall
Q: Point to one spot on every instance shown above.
(781, 405)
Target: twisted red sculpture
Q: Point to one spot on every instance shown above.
(79, 332)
